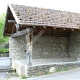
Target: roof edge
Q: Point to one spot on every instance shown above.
(13, 12)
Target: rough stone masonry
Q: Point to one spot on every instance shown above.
(47, 47)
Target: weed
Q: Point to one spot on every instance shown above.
(24, 77)
(64, 69)
(48, 72)
(38, 74)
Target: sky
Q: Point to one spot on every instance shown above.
(63, 5)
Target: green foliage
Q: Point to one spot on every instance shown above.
(48, 72)
(58, 70)
(64, 69)
(2, 21)
(4, 50)
(24, 77)
(3, 40)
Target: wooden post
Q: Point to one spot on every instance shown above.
(29, 47)
(17, 27)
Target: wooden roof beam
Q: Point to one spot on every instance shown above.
(20, 33)
(38, 36)
(12, 21)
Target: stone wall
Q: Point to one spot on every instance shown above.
(17, 47)
(50, 47)
(74, 44)
(24, 70)
(4, 54)
(47, 69)
(45, 47)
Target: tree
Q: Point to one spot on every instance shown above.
(3, 40)
(2, 21)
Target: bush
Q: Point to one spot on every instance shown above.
(4, 50)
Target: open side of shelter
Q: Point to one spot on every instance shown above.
(39, 35)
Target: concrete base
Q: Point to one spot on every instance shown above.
(5, 61)
(43, 66)
(36, 62)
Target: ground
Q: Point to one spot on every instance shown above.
(73, 74)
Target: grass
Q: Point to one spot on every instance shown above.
(24, 77)
(64, 69)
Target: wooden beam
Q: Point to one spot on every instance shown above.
(7, 34)
(72, 29)
(17, 27)
(38, 36)
(29, 47)
(13, 21)
(44, 26)
(54, 28)
(33, 26)
(20, 33)
(64, 29)
(13, 29)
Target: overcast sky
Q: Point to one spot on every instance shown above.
(64, 5)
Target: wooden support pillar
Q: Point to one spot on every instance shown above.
(17, 27)
(13, 29)
(29, 46)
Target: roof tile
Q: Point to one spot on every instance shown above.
(47, 17)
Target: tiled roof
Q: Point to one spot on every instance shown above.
(45, 17)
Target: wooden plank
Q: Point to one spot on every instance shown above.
(38, 36)
(29, 48)
(11, 21)
(7, 34)
(20, 33)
